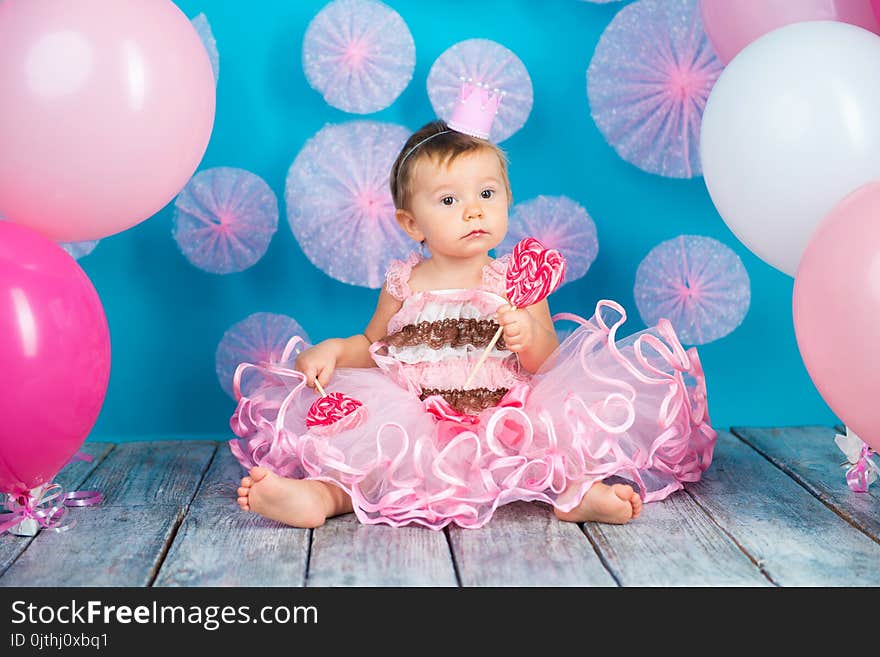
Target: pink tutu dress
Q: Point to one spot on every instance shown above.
(431, 453)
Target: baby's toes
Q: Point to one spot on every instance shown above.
(247, 482)
(243, 503)
(243, 491)
(637, 505)
(258, 473)
(624, 492)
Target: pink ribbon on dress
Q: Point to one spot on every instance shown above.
(441, 409)
(48, 515)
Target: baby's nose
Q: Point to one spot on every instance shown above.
(473, 211)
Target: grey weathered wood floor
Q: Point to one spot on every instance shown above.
(773, 509)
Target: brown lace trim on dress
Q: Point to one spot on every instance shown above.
(452, 332)
(468, 401)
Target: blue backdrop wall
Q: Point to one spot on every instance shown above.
(166, 317)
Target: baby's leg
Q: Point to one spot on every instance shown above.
(296, 502)
(617, 504)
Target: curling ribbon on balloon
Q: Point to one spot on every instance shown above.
(862, 471)
(533, 273)
(41, 508)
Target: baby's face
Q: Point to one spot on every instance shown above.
(461, 206)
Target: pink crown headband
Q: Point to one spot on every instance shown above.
(475, 109)
(473, 113)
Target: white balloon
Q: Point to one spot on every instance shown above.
(791, 127)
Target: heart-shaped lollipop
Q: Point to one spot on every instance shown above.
(334, 412)
(532, 274)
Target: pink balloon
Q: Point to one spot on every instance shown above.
(732, 25)
(836, 309)
(55, 355)
(107, 107)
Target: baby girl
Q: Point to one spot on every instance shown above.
(541, 421)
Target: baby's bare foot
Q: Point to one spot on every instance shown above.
(617, 504)
(300, 503)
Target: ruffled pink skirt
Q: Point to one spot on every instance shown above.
(634, 408)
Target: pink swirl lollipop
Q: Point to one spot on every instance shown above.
(532, 274)
(334, 412)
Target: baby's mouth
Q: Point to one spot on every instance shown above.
(479, 231)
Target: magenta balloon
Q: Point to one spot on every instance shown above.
(55, 355)
(836, 305)
(107, 107)
(731, 26)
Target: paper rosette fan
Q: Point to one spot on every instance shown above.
(259, 338)
(224, 219)
(203, 28)
(558, 223)
(339, 205)
(359, 55)
(493, 66)
(697, 283)
(648, 82)
(79, 249)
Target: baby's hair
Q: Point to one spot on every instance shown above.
(437, 141)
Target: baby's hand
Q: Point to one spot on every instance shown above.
(318, 361)
(518, 325)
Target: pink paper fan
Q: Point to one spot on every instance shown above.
(359, 55)
(558, 223)
(339, 205)
(259, 338)
(203, 28)
(79, 249)
(697, 283)
(491, 64)
(648, 82)
(224, 219)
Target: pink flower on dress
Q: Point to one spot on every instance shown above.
(533, 273)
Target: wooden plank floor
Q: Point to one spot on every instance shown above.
(772, 510)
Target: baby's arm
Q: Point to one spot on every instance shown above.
(353, 351)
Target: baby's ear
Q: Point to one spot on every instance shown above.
(408, 223)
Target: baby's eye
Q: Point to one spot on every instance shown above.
(447, 200)
(487, 193)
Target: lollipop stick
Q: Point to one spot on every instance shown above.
(484, 355)
(320, 387)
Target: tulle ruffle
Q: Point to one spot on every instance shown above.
(434, 305)
(495, 276)
(496, 372)
(398, 272)
(397, 276)
(634, 408)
